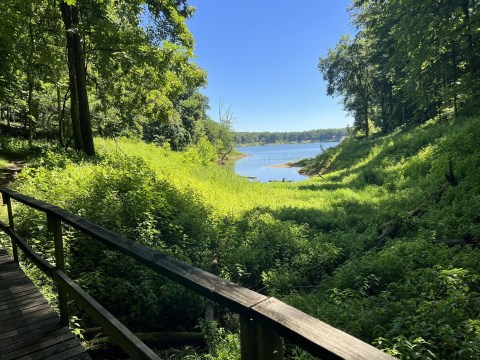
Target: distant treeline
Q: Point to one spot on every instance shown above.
(320, 135)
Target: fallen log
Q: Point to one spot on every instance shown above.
(103, 347)
(451, 242)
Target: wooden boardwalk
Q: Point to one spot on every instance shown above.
(29, 328)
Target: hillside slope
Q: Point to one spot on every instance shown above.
(384, 245)
(416, 292)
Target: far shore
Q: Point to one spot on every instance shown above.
(285, 143)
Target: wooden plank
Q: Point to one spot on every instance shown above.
(58, 349)
(14, 326)
(8, 277)
(29, 328)
(5, 260)
(37, 344)
(8, 337)
(10, 288)
(36, 306)
(21, 301)
(12, 279)
(68, 354)
(313, 335)
(8, 268)
(28, 337)
(40, 314)
(17, 288)
(116, 330)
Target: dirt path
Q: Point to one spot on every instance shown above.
(7, 174)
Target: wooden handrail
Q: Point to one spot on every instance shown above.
(117, 331)
(261, 317)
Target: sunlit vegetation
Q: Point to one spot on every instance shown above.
(382, 241)
(407, 62)
(318, 244)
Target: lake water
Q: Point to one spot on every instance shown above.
(262, 160)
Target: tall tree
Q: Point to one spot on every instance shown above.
(80, 110)
(126, 76)
(349, 74)
(410, 61)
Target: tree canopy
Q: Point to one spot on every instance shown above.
(127, 70)
(409, 61)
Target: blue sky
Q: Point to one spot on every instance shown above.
(262, 56)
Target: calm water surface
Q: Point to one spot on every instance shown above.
(262, 159)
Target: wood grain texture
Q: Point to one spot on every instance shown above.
(29, 328)
(317, 337)
(118, 332)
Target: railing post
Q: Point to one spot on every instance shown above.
(248, 339)
(270, 344)
(54, 225)
(257, 342)
(7, 201)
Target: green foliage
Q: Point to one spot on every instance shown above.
(390, 75)
(414, 297)
(322, 135)
(129, 63)
(122, 194)
(221, 344)
(203, 153)
(408, 349)
(279, 255)
(314, 243)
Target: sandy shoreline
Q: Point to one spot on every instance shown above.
(282, 166)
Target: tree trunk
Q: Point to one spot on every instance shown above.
(367, 132)
(84, 108)
(30, 80)
(61, 134)
(455, 96)
(74, 107)
(471, 49)
(365, 115)
(81, 122)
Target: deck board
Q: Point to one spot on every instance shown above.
(29, 328)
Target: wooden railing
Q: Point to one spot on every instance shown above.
(263, 320)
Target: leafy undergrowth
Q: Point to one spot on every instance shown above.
(320, 244)
(417, 295)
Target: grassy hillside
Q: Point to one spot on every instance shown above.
(415, 292)
(381, 245)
